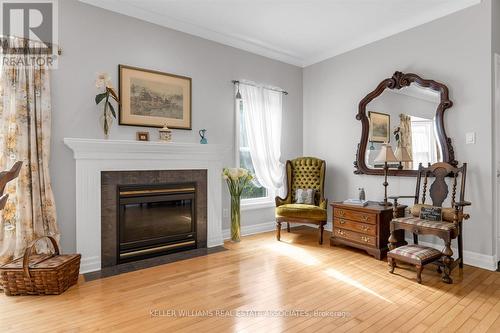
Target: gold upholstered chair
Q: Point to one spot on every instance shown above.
(303, 173)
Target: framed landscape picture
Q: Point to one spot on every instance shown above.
(380, 127)
(151, 99)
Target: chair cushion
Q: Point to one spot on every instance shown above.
(424, 223)
(416, 253)
(448, 212)
(305, 196)
(301, 211)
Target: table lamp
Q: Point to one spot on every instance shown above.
(402, 155)
(386, 155)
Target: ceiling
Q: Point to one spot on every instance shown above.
(298, 32)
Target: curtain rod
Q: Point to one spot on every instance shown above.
(254, 85)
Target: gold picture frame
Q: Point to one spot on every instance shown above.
(380, 127)
(152, 99)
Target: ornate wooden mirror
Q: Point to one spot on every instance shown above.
(406, 112)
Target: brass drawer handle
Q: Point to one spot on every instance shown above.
(365, 239)
(364, 218)
(365, 228)
(341, 212)
(341, 221)
(340, 232)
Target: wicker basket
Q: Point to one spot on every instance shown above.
(40, 274)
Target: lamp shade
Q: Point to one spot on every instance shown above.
(386, 154)
(403, 155)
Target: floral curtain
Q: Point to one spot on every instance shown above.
(25, 111)
(406, 139)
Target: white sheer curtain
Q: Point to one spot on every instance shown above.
(262, 109)
(423, 142)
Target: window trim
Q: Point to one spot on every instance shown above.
(253, 203)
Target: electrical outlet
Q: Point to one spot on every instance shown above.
(225, 212)
(470, 138)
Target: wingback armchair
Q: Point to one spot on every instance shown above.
(303, 173)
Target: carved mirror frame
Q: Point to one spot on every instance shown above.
(397, 81)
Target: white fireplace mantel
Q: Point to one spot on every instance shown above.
(93, 156)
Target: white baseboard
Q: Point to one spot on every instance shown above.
(90, 264)
(470, 258)
(217, 240)
(253, 229)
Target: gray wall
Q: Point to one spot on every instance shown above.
(455, 50)
(95, 40)
(496, 120)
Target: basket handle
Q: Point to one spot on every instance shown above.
(28, 251)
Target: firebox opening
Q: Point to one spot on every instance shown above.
(155, 220)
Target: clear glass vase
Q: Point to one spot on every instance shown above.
(235, 218)
(106, 120)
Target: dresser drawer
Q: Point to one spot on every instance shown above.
(355, 216)
(364, 228)
(356, 237)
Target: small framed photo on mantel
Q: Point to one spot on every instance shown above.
(152, 99)
(142, 136)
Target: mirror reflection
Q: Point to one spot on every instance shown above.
(405, 119)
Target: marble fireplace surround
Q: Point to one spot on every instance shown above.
(93, 156)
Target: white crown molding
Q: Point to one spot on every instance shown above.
(268, 50)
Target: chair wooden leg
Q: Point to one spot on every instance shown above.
(460, 250)
(278, 230)
(288, 226)
(448, 261)
(321, 228)
(392, 239)
(420, 268)
(415, 239)
(392, 264)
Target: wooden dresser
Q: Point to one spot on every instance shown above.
(365, 228)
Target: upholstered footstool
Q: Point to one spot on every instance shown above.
(414, 254)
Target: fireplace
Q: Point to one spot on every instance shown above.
(155, 219)
(150, 213)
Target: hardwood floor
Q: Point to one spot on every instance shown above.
(262, 274)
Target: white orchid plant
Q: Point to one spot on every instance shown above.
(104, 81)
(236, 179)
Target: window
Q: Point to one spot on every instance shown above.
(424, 148)
(254, 193)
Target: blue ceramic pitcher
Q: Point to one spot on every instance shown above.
(203, 140)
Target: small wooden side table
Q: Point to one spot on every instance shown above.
(365, 228)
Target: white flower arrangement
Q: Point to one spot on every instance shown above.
(236, 179)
